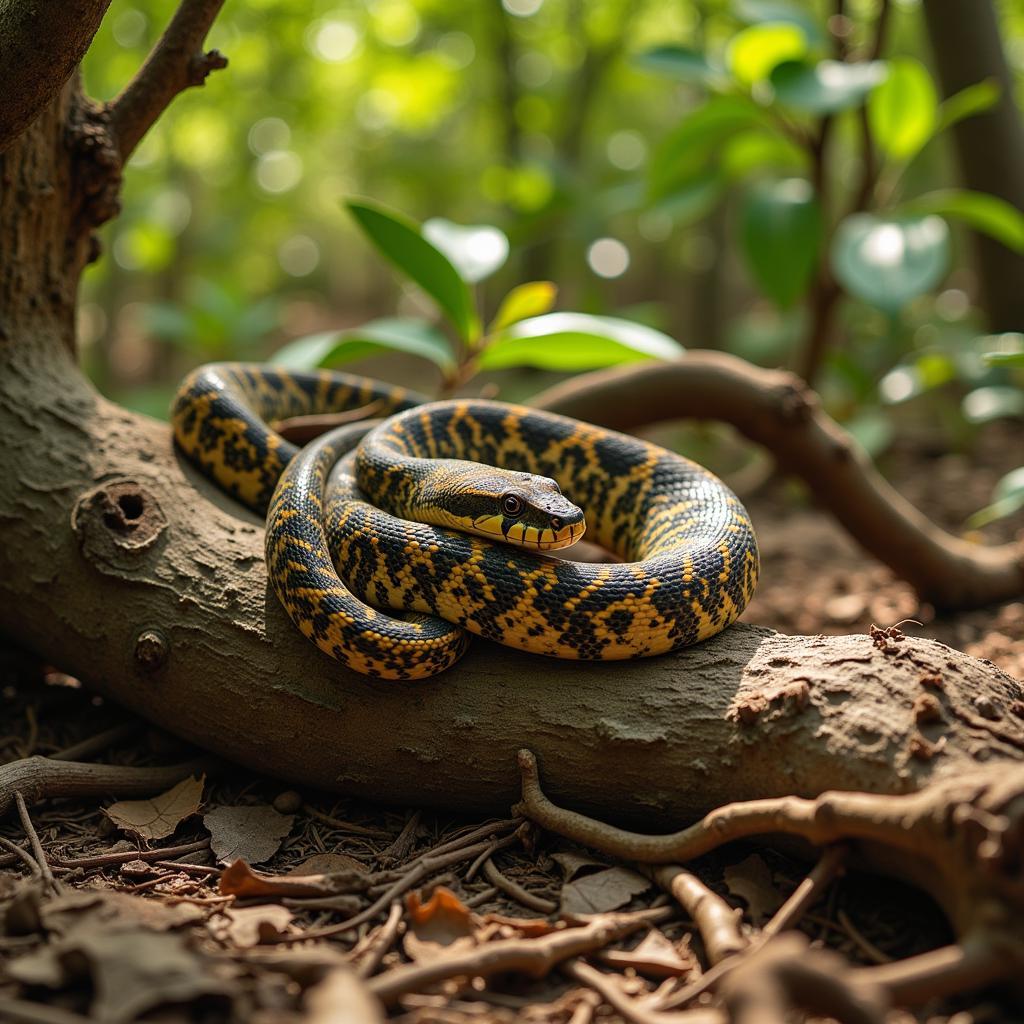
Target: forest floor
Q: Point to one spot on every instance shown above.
(141, 922)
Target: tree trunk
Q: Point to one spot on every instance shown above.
(990, 146)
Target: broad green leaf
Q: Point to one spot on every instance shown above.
(755, 51)
(990, 214)
(826, 87)
(781, 230)
(1003, 349)
(903, 110)
(531, 299)
(757, 150)
(577, 341)
(1012, 359)
(391, 334)
(975, 99)
(684, 155)
(475, 250)
(889, 262)
(754, 11)
(401, 242)
(992, 403)
(1007, 498)
(680, 63)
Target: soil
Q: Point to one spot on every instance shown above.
(814, 580)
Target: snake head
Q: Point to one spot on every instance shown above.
(518, 508)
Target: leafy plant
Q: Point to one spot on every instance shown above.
(445, 260)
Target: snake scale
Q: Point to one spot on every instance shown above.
(446, 513)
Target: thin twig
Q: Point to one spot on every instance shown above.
(382, 942)
(862, 942)
(175, 63)
(23, 855)
(810, 889)
(346, 826)
(33, 838)
(516, 891)
(533, 957)
(103, 860)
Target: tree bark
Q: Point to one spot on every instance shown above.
(990, 146)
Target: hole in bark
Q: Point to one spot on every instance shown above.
(130, 505)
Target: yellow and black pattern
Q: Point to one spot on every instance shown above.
(449, 510)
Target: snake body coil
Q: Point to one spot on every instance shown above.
(447, 510)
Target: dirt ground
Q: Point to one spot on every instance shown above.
(140, 923)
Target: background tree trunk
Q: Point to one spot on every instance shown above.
(990, 146)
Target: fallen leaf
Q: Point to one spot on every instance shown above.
(441, 925)
(602, 891)
(132, 970)
(106, 907)
(751, 881)
(655, 956)
(159, 817)
(252, 833)
(245, 927)
(328, 864)
(342, 998)
(238, 879)
(573, 863)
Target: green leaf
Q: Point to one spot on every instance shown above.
(903, 110)
(826, 87)
(781, 230)
(680, 63)
(1008, 349)
(755, 51)
(1012, 359)
(1007, 498)
(693, 200)
(757, 150)
(684, 155)
(975, 99)
(982, 405)
(475, 250)
(754, 11)
(994, 216)
(929, 370)
(398, 239)
(391, 334)
(888, 262)
(577, 341)
(532, 299)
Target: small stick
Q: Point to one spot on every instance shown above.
(481, 897)
(479, 862)
(533, 957)
(810, 889)
(382, 942)
(516, 891)
(399, 849)
(346, 826)
(102, 860)
(864, 944)
(24, 855)
(717, 922)
(33, 838)
(185, 868)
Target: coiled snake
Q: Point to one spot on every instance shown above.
(448, 510)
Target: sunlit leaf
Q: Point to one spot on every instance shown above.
(983, 212)
(402, 243)
(681, 63)
(757, 150)
(1005, 349)
(577, 341)
(992, 403)
(903, 110)
(755, 51)
(1013, 359)
(781, 235)
(888, 262)
(392, 334)
(975, 99)
(475, 250)
(531, 299)
(1007, 498)
(826, 87)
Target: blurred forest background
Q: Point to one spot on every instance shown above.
(774, 179)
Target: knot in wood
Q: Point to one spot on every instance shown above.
(116, 523)
(151, 650)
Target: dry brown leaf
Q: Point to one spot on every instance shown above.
(106, 907)
(751, 880)
(602, 891)
(251, 833)
(159, 817)
(245, 927)
(442, 924)
(342, 998)
(238, 879)
(328, 864)
(572, 863)
(655, 956)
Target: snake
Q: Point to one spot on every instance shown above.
(391, 539)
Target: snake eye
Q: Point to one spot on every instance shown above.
(511, 505)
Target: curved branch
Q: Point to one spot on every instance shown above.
(40, 46)
(775, 409)
(175, 63)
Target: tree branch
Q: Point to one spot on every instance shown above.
(174, 64)
(775, 409)
(41, 44)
